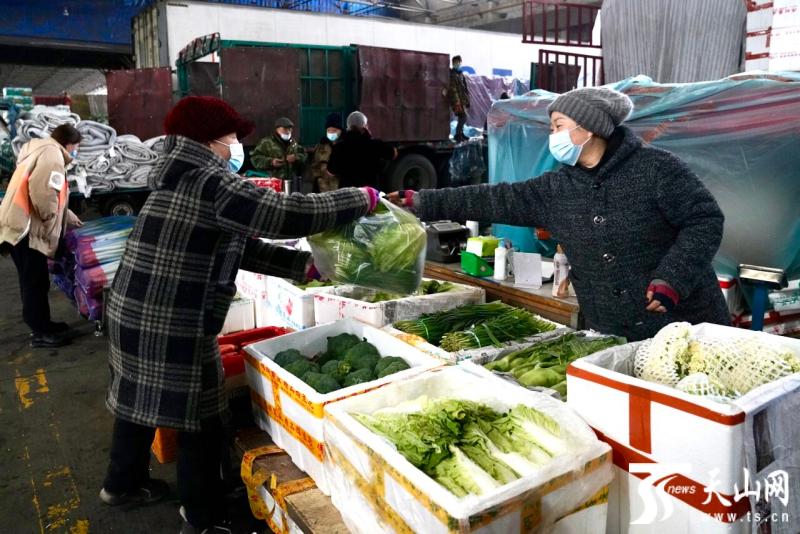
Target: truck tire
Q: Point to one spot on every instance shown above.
(120, 205)
(412, 171)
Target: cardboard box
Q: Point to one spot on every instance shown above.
(696, 441)
(291, 306)
(291, 411)
(346, 301)
(377, 490)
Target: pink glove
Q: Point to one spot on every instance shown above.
(313, 273)
(373, 195)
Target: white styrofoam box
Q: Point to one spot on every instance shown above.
(629, 512)
(732, 292)
(377, 490)
(254, 286)
(784, 62)
(701, 438)
(480, 355)
(775, 323)
(787, 299)
(760, 64)
(289, 305)
(786, 13)
(785, 41)
(759, 19)
(290, 410)
(758, 43)
(345, 301)
(241, 316)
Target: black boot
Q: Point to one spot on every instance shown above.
(48, 340)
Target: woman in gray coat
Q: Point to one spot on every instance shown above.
(639, 227)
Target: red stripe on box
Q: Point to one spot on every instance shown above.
(661, 398)
(639, 419)
(697, 496)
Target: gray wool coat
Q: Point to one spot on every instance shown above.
(642, 216)
(175, 281)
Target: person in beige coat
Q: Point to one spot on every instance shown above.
(33, 218)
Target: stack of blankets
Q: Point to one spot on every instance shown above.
(106, 161)
(90, 262)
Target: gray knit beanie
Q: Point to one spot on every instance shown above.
(596, 109)
(357, 119)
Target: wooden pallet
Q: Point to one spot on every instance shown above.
(311, 510)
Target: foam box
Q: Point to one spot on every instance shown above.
(289, 305)
(346, 301)
(700, 441)
(241, 316)
(291, 411)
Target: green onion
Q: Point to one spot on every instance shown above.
(433, 326)
(512, 325)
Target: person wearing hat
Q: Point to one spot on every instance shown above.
(171, 294)
(324, 180)
(639, 227)
(279, 154)
(358, 159)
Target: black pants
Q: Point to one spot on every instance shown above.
(462, 119)
(200, 486)
(34, 284)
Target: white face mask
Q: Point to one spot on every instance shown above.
(286, 137)
(237, 155)
(563, 149)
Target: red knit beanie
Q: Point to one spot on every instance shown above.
(205, 118)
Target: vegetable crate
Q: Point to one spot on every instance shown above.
(683, 446)
(377, 490)
(348, 301)
(291, 411)
(478, 356)
(289, 305)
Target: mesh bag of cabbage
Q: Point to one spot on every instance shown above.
(702, 385)
(741, 365)
(653, 367)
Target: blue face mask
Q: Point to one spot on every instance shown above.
(74, 153)
(332, 137)
(237, 155)
(563, 149)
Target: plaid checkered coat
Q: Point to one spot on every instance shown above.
(175, 281)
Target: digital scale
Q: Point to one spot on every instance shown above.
(446, 240)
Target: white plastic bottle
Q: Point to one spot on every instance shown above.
(500, 263)
(560, 273)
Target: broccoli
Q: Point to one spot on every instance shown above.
(358, 377)
(393, 368)
(362, 356)
(337, 369)
(321, 382)
(300, 367)
(288, 356)
(387, 361)
(338, 345)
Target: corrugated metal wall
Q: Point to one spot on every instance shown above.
(673, 41)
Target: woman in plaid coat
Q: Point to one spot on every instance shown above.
(171, 294)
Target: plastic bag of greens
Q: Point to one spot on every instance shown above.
(384, 250)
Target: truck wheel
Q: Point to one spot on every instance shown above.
(412, 171)
(119, 205)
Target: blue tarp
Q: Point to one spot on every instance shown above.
(741, 135)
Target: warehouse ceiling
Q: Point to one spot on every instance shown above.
(51, 81)
(492, 15)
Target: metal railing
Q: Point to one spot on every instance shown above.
(553, 22)
(560, 72)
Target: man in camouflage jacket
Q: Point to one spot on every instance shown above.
(280, 155)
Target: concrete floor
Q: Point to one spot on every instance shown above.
(55, 432)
